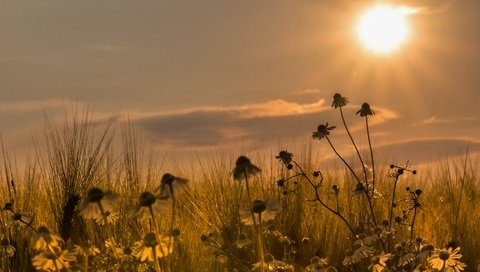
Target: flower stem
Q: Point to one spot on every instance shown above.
(365, 190)
(172, 224)
(157, 233)
(393, 202)
(413, 223)
(319, 200)
(85, 263)
(109, 232)
(260, 242)
(249, 198)
(371, 154)
(354, 145)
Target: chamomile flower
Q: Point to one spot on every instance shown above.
(422, 268)
(127, 252)
(148, 205)
(426, 251)
(285, 157)
(242, 241)
(339, 101)
(322, 131)
(6, 248)
(46, 239)
(365, 240)
(97, 203)
(448, 259)
(351, 258)
(262, 210)
(86, 248)
(378, 263)
(53, 260)
(365, 110)
(20, 219)
(363, 252)
(243, 166)
(406, 259)
(317, 264)
(152, 247)
(171, 186)
(270, 264)
(107, 218)
(118, 250)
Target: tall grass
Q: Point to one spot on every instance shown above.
(77, 154)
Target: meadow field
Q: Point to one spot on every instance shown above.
(99, 198)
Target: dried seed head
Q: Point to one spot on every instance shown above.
(175, 232)
(204, 238)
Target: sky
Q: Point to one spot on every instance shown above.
(196, 75)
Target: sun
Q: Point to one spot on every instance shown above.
(383, 28)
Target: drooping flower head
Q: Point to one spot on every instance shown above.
(45, 239)
(244, 168)
(96, 203)
(147, 204)
(262, 209)
(285, 157)
(322, 131)
(171, 185)
(339, 101)
(365, 110)
(107, 218)
(242, 241)
(6, 248)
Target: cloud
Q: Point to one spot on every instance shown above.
(433, 120)
(307, 91)
(31, 105)
(257, 124)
